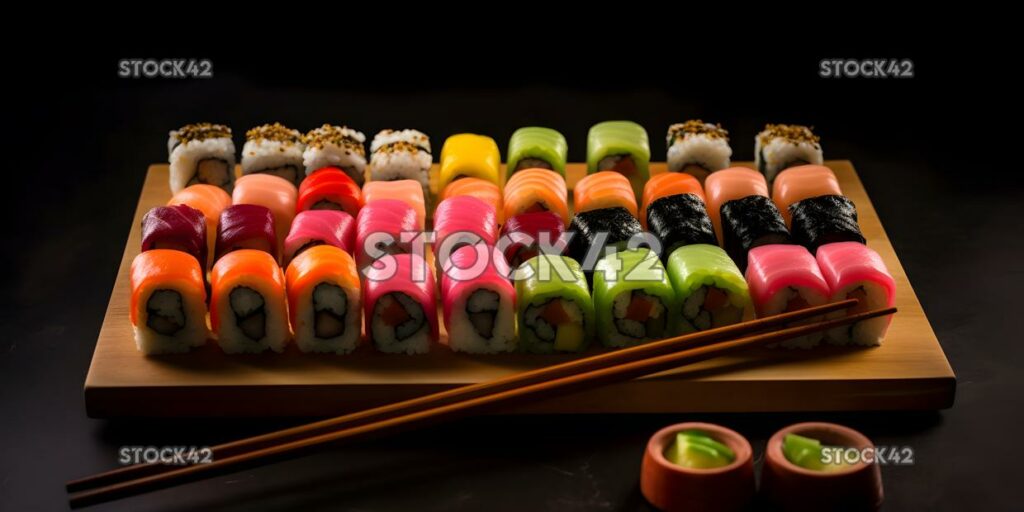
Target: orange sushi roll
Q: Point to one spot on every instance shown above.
(479, 188)
(324, 303)
(728, 184)
(408, 191)
(248, 308)
(605, 189)
(273, 192)
(211, 201)
(536, 190)
(803, 182)
(668, 184)
(168, 302)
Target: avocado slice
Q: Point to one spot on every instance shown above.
(806, 452)
(697, 450)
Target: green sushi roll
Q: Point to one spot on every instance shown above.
(555, 309)
(710, 290)
(633, 299)
(623, 147)
(536, 147)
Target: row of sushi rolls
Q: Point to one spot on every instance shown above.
(317, 243)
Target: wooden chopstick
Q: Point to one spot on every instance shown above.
(469, 391)
(574, 382)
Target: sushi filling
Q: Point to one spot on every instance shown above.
(482, 310)
(308, 245)
(329, 306)
(533, 163)
(639, 315)
(709, 307)
(523, 253)
(288, 172)
(696, 170)
(212, 171)
(866, 332)
(165, 313)
(398, 313)
(622, 164)
(250, 312)
(326, 204)
(557, 321)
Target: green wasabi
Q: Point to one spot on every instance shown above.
(697, 450)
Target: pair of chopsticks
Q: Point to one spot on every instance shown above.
(575, 375)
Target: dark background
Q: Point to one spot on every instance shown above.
(929, 150)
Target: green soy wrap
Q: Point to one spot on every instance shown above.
(693, 266)
(537, 142)
(620, 138)
(625, 271)
(551, 277)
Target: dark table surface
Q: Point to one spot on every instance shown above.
(81, 149)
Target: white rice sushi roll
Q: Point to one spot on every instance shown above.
(400, 155)
(168, 302)
(697, 148)
(781, 146)
(336, 146)
(274, 149)
(201, 153)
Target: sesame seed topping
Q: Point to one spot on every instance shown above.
(341, 136)
(791, 132)
(697, 127)
(276, 132)
(202, 131)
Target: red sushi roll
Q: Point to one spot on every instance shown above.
(319, 227)
(330, 188)
(379, 229)
(400, 304)
(530, 234)
(179, 227)
(246, 226)
(462, 220)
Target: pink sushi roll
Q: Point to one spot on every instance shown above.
(463, 220)
(400, 304)
(786, 278)
(410, 191)
(479, 301)
(379, 229)
(853, 271)
(319, 227)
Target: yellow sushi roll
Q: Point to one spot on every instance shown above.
(470, 155)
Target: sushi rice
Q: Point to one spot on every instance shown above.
(249, 324)
(792, 298)
(336, 146)
(482, 322)
(171, 325)
(780, 146)
(632, 331)
(545, 336)
(697, 148)
(410, 336)
(400, 155)
(201, 153)
(329, 320)
(274, 149)
(865, 332)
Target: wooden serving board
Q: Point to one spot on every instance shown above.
(909, 371)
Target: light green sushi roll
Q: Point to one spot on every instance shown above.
(710, 289)
(537, 147)
(633, 299)
(623, 147)
(555, 309)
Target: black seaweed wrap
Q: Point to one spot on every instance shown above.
(751, 222)
(679, 220)
(824, 220)
(617, 222)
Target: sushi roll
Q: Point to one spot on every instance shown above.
(246, 226)
(728, 184)
(400, 304)
(535, 147)
(274, 149)
(824, 220)
(633, 299)
(556, 312)
(401, 155)
(536, 190)
(623, 147)
(592, 233)
(276, 194)
(751, 222)
(780, 146)
(697, 148)
(385, 226)
(201, 153)
(478, 301)
(211, 201)
(529, 234)
(336, 146)
(604, 189)
(180, 227)
(481, 189)
(680, 220)
(408, 191)
(668, 184)
(854, 271)
(804, 182)
(329, 188)
(248, 310)
(168, 302)
(462, 220)
(319, 227)
(785, 278)
(710, 290)
(467, 155)
(324, 304)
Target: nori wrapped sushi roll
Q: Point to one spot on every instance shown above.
(751, 222)
(823, 220)
(679, 220)
(593, 231)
